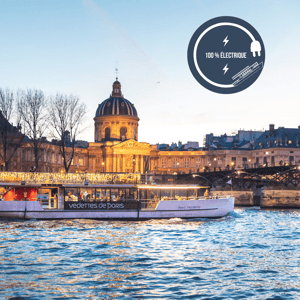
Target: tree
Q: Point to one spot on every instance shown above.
(32, 106)
(66, 116)
(10, 136)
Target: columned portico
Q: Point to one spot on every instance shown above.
(132, 153)
(116, 148)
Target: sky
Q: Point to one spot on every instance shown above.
(74, 46)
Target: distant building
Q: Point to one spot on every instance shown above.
(116, 147)
(244, 139)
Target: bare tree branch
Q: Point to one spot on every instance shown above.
(10, 136)
(32, 106)
(67, 116)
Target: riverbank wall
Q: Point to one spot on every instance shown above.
(264, 198)
(280, 199)
(242, 198)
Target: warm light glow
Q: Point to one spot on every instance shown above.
(267, 153)
(232, 163)
(249, 159)
(171, 187)
(67, 178)
(215, 159)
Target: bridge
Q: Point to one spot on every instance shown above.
(246, 178)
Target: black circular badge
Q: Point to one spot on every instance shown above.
(226, 55)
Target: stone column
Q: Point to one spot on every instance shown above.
(118, 161)
(114, 157)
(142, 164)
(137, 163)
(122, 163)
(110, 166)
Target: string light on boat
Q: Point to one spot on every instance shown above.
(68, 178)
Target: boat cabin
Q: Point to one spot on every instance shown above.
(56, 196)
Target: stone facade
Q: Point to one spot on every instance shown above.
(242, 198)
(116, 148)
(280, 199)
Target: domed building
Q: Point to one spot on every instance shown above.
(116, 147)
(116, 118)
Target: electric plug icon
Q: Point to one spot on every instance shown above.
(255, 47)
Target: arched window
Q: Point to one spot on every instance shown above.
(107, 133)
(123, 132)
(134, 134)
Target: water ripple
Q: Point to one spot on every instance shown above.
(250, 254)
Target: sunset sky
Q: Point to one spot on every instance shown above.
(74, 46)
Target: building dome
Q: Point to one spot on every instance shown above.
(116, 104)
(116, 118)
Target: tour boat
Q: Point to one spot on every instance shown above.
(109, 201)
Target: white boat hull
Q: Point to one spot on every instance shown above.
(212, 208)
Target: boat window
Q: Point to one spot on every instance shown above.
(102, 194)
(87, 194)
(132, 194)
(192, 194)
(114, 196)
(152, 194)
(180, 194)
(167, 194)
(72, 194)
(122, 194)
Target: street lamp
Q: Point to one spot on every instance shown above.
(196, 175)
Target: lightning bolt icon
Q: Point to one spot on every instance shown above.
(225, 41)
(225, 69)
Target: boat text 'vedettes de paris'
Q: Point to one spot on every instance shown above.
(105, 196)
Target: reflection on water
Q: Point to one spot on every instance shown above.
(250, 254)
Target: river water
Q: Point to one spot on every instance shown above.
(250, 254)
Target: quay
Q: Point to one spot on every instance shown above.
(267, 187)
(265, 199)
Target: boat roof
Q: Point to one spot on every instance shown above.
(116, 186)
(139, 186)
(171, 186)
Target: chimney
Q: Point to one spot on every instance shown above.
(271, 128)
